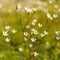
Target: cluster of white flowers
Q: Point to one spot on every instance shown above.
(44, 34)
(5, 33)
(29, 10)
(34, 31)
(51, 17)
(57, 35)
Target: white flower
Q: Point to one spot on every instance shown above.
(29, 10)
(7, 40)
(25, 39)
(55, 15)
(48, 15)
(19, 6)
(5, 33)
(40, 25)
(7, 27)
(56, 32)
(35, 54)
(58, 38)
(14, 31)
(27, 26)
(42, 35)
(20, 49)
(46, 33)
(30, 45)
(33, 39)
(26, 34)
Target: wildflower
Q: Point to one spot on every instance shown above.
(27, 26)
(33, 39)
(40, 25)
(19, 6)
(30, 45)
(58, 38)
(7, 40)
(55, 16)
(42, 35)
(56, 32)
(46, 33)
(20, 49)
(29, 10)
(25, 38)
(7, 27)
(5, 33)
(14, 31)
(26, 34)
(35, 54)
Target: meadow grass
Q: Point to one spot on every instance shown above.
(47, 47)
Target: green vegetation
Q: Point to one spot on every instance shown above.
(39, 40)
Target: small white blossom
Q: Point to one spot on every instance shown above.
(5, 33)
(7, 27)
(25, 39)
(7, 40)
(30, 45)
(55, 15)
(35, 54)
(58, 38)
(26, 34)
(42, 35)
(19, 6)
(56, 32)
(27, 26)
(33, 39)
(20, 49)
(39, 24)
(14, 31)
(45, 32)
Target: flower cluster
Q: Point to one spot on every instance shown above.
(5, 33)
